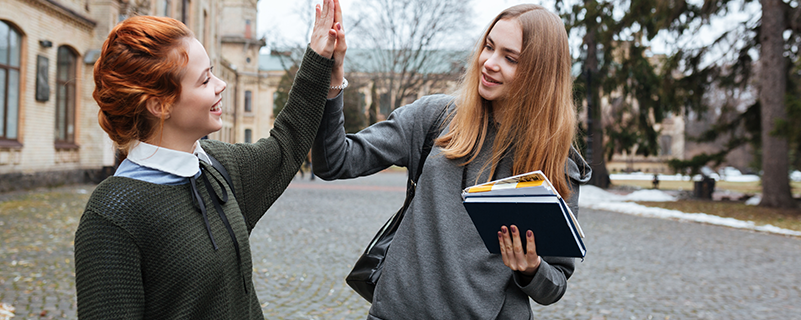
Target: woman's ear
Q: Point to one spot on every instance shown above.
(157, 109)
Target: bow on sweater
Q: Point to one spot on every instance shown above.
(216, 200)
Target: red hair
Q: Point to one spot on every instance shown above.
(142, 59)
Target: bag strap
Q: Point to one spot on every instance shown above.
(428, 144)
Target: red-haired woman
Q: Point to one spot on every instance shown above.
(513, 114)
(167, 236)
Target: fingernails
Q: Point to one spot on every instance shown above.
(339, 26)
(514, 228)
(529, 233)
(503, 229)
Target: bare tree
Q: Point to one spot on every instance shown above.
(407, 44)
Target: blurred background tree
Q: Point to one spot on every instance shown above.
(758, 55)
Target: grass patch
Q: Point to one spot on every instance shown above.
(782, 218)
(750, 188)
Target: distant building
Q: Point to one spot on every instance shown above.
(671, 137)
(48, 120)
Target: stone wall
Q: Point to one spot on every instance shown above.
(26, 181)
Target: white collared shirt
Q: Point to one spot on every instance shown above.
(160, 165)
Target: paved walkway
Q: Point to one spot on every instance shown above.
(636, 268)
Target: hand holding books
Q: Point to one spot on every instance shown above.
(527, 201)
(514, 257)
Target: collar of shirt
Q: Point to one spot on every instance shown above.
(175, 162)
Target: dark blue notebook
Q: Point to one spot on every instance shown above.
(529, 202)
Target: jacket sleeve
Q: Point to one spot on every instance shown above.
(550, 282)
(108, 275)
(395, 141)
(262, 171)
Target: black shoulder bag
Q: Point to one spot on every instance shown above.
(367, 270)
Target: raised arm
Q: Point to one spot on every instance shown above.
(262, 171)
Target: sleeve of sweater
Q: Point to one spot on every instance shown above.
(262, 171)
(550, 282)
(395, 141)
(108, 280)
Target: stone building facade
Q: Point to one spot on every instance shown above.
(48, 120)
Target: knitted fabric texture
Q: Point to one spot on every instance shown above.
(142, 249)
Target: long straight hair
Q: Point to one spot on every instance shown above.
(538, 119)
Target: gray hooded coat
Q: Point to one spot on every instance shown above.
(438, 266)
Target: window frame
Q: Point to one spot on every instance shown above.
(8, 67)
(248, 101)
(62, 137)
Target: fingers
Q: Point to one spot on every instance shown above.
(501, 240)
(512, 250)
(328, 13)
(341, 45)
(337, 12)
(517, 246)
(531, 248)
(317, 14)
(324, 37)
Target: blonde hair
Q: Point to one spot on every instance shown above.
(538, 120)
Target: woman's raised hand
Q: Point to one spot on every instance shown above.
(324, 35)
(340, 47)
(512, 251)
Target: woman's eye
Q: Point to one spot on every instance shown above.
(207, 81)
(511, 60)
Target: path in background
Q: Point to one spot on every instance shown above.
(636, 267)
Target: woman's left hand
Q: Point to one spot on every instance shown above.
(512, 251)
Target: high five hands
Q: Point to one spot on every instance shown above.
(328, 39)
(512, 251)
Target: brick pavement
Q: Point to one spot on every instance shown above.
(636, 268)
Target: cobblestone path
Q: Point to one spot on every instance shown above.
(636, 268)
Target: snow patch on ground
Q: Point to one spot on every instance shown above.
(593, 197)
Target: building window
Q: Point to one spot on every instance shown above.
(167, 8)
(384, 104)
(65, 95)
(666, 145)
(10, 49)
(248, 101)
(248, 136)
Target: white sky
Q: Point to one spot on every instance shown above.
(279, 21)
(278, 18)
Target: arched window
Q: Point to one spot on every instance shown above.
(65, 95)
(10, 48)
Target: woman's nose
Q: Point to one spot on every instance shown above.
(221, 87)
(492, 63)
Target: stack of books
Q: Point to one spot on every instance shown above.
(530, 202)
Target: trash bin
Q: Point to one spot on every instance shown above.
(703, 189)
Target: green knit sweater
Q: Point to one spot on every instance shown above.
(142, 250)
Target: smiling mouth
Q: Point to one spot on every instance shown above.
(490, 80)
(217, 107)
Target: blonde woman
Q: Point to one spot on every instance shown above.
(513, 114)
